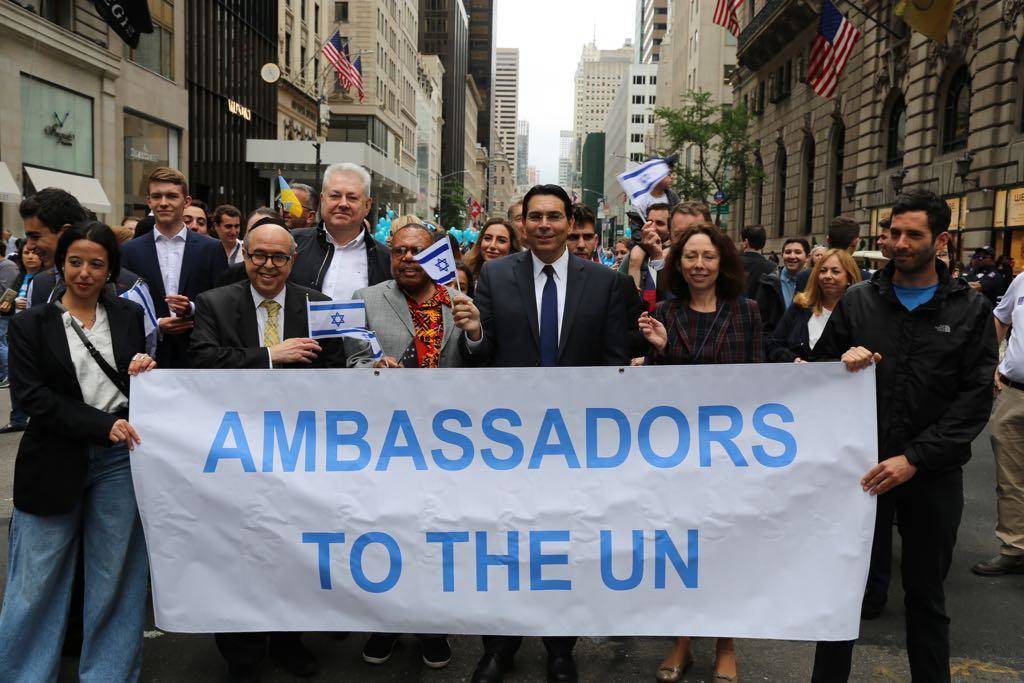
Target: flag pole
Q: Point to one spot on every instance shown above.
(870, 18)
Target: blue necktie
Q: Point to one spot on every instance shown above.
(549, 320)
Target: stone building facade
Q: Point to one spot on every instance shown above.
(907, 113)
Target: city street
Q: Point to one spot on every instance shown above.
(987, 631)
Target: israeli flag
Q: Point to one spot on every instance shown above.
(640, 180)
(333, 319)
(439, 262)
(139, 293)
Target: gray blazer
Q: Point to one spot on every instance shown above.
(387, 315)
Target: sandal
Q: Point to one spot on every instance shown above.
(672, 674)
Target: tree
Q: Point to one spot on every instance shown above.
(721, 152)
(453, 203)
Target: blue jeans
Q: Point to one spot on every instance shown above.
(40, 569)
(4, 321)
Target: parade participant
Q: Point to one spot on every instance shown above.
(621, 252)
(843, 233)
(307, 199)
(466, 280)
(817, 251)
(1007, 444)
(983, 276)
(802, 324)
(754, 263)
(661, 193)
(883, 241)
(497, 238)
(647, 257)
(72, 480)
(515, 216)
(227, 227)
(545, 307)
(775, 292)
(709, 321)
(934, 344)
(262, 323)
(340, 255)
(129, 223)
(195, 217)
(178, 264)
(30, 266)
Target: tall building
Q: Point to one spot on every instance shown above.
(598, 77)
(532, 176)
(429, 123)
(506, 101)
(630, 120)
(84, 112)
(299, 37)
(592, 171)
(444, 31)
(522, 151)
(229, 103)
(502, 185)
(481, 63)
(651, 26)
(565, 146)
(475, 157)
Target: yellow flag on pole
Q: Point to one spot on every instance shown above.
(930, 17)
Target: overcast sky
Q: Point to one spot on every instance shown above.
(550, 35)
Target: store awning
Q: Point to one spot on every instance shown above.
(9, 190)
(86, 190)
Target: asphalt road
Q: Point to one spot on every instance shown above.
(987, 626)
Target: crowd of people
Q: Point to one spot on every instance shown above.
(230, 293)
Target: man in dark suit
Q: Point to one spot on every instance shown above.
(544, 307)
(262, 323)
(754, 263)
(177, 263)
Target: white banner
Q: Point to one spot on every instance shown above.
(705, 500)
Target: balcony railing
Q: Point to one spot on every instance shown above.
(772, 29)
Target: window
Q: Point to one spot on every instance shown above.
(639, 80)
(727, 72)
(654, 80)
(956, 112)
(302, 62)
(808, 178)
(637, 118)
(758, 189)
(287, 51)
(838, 155)
(638, 99)
(896, 133)
(316, 19)
(156, 50)
(341, 12)
(780, 191)
(636, 137)
(302, 10)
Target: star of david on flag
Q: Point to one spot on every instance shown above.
(332, 319)
(337, 320)
(439, 262)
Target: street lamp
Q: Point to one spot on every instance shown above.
(851, 191)
(897, 181)
(963, 167)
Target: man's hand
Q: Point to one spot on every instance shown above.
(5, 307)
(974, 285)
(21, 303)
(172, 325)
(888, 474)
(387, 362)
(997, 385)
(297, 350)
(179, 304)
(654, 332)
(467, 316)
(858, 358)
(123, 431)
(650, 241)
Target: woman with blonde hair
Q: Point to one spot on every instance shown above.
(804, 321)
(497, 238)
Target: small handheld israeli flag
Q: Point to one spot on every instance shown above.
(439, 262)
(640, 180)
(332, 319)
(139, 293)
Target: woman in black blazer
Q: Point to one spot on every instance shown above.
(803, 322)
(72, 479)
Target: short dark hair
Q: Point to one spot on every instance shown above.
(802, 242)
(842, 231)
(885, 224)
(581, 213)
(731, 282)
(470, 280)
(553, 190)
(693, 208)
(936, 208)
(262, 211)
(54, 208)
(225, 210)
(755, 236)
(658, 206)
(199, 204)
(94, 231)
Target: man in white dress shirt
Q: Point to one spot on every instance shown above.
(340, 255)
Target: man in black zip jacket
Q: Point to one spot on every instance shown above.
(340, 255)
(934, 343)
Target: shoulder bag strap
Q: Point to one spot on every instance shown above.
(110, 372)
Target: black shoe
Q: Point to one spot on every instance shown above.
(378, 647)
(491, 669)
(437, 652)
(562, 669)
(11, 428)
(871, 610)
(295, 658)
(243, 674)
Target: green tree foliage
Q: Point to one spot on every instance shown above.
(453, 203)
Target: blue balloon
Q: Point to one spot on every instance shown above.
(391, 213)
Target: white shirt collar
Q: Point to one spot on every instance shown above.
(183, 234)
(356, 241)
(258, 298)
(561, 266)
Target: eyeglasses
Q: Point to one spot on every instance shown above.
(402, 251)
(552, 216)
(258, 258)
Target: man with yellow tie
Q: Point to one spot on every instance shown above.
(261, 322)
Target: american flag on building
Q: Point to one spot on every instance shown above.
(726, 14)
(349, 75)
(832, 47)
